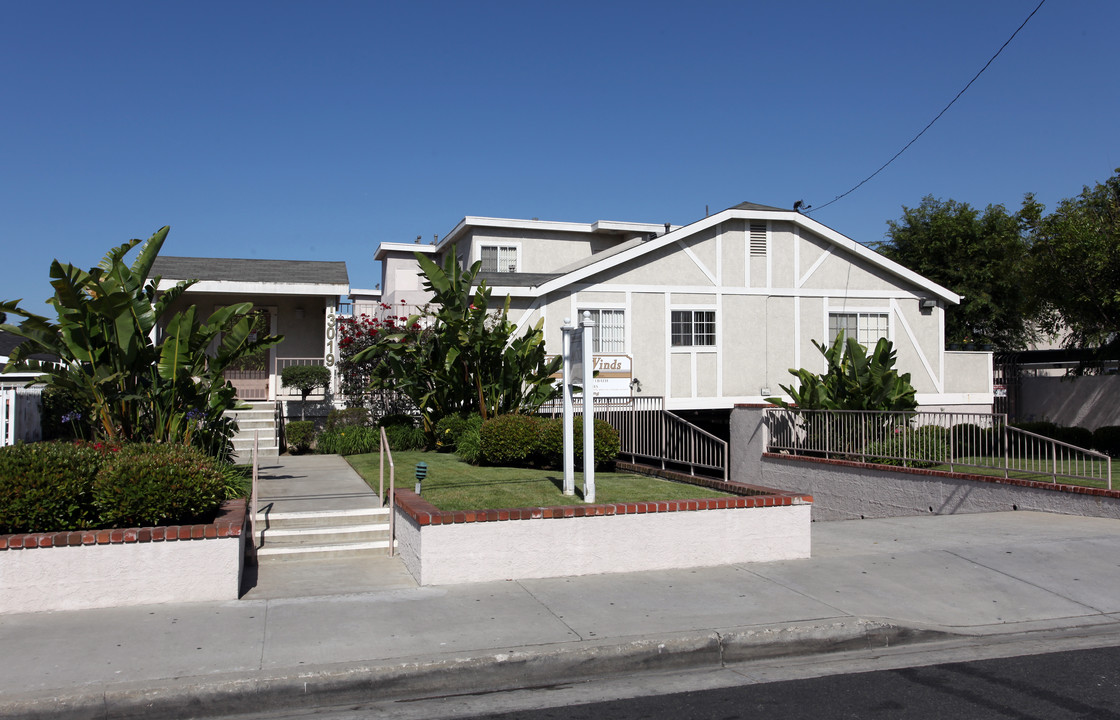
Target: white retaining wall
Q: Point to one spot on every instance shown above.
(551, 547)
(92, 576)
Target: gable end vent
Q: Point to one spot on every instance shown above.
(758, 238)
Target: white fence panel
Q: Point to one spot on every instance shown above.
(19, 415)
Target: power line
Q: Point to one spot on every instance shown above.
(943, 111)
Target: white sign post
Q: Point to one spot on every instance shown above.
(569, 429)
(587, 325)
(577, 371)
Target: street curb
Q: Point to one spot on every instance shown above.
(201, 697)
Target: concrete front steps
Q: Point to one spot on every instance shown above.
(322, 534)
(258, 416)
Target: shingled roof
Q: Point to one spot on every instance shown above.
(251, 270)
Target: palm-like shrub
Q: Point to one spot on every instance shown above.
(130, 386)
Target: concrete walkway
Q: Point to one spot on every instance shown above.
(363, 632)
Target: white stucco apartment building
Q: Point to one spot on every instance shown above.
(710, 314)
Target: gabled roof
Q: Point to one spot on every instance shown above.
(276, 277)
(9, 341)
(744, 211)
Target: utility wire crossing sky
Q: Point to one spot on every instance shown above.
(293, 130)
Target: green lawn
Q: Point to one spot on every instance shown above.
(455, 485)
(1039, 471)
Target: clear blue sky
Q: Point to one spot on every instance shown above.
(310, 130)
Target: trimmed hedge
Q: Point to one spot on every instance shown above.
(349, 417)
(155, 484)
(550, 443)
(926, 446)
(1107, 440)
(509, 440)
(521, 440)
(299, 434)
(48, 486)
(57, 486)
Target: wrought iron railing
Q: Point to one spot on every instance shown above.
(649, 434)
(982, 442)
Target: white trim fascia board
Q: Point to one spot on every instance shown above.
(769, 254)
(796, 336)
(517, 291)
(927, 399)
(719, 256)
(703, 268)
(720, 334)
(667, 339)
(820, 261)
(709, 290)
(632, 227)
(523, 321)
(875, 258)
(553, 225)
(365, 291)
(387, 247)
(797, 219)
(248, 287)
(898, 319)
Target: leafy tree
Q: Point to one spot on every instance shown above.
(459, 357)
(1075, 267)
(305, 378)
(853, 380)
(130, 386)
(980, 256)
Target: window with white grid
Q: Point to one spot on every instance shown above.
(866, 328)
(693, 328)
(498, 258)
(609, 333)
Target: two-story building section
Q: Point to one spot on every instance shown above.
(710, 314)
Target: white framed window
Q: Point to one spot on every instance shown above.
(693, 328)
(499, 258)
(866, 328)
(609, 334)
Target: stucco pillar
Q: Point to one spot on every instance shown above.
(748, 442)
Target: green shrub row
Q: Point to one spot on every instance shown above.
(524, 440)
(348, 417)
(1104, 439)
(925, 446)
(57, 486)
(358, 439)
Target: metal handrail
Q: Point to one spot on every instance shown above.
(652, 434)
(384, 450)
(982, 441)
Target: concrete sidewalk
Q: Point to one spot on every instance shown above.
(290, 645)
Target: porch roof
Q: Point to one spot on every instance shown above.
(251, 275)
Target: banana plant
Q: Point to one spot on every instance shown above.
(108, 358)
(461, 356)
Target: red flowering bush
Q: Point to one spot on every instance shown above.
(374, 333)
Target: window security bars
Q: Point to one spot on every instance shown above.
(693, 328)
(649, 434)
(608, 335)
(498, 259)
(981, 443)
